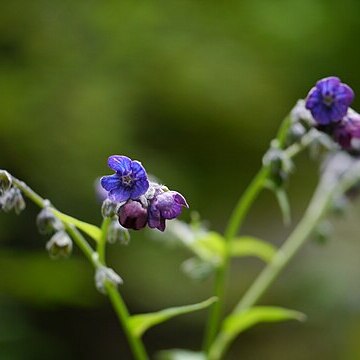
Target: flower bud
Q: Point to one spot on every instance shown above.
(60, 245)
(323, 232)
(108, 208)
(116, 232)
(104, 274)
(12, 199)
(296, 132)
(5, 181)
(132, 215)
(47, 222)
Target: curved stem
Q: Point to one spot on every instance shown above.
(315, 211)
(116, 300)
(235, 222)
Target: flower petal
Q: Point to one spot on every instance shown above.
(138, 170)
(120, 164)
(120, 194)
(140, 187)
(179, 199)
(110, 182)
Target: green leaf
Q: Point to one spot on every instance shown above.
(209, 247)
(179, 354)
(239, 322)
(251, 246)
(142, 322)
(93, 231)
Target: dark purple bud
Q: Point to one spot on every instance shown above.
(329, 100)
(347, 132)
(166, 205)
(133, 215)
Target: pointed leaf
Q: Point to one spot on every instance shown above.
(93, 231)
(251, 246)
(209, 247)
(142, 322)
(239, 322)
(179, 354)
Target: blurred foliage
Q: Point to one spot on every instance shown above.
(195, 90)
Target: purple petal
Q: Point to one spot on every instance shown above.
(180, 199)
(328, 85)
(345, 94)
(120, 164)
(140, 187)
(154, 217)
(120, 194)
(313, 98)
(138, 170)
(110, 182)
(171, 212)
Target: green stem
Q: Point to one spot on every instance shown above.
(235, 222)
(316, 210)
(119, 306)
(97, 260)
(117, 301)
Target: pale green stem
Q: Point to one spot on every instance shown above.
(97, 260)
(236, 219)
(117, 301)
(316, 210)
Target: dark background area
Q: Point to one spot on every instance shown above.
(195, 90)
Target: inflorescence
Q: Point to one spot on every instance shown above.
(137, 200)
(329, 103)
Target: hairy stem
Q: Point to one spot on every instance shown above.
(314, 213)
(234, 224)
(97, 259)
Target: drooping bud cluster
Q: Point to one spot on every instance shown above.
(329, 103)
(10, 197)
(140, 202)
(60, 243)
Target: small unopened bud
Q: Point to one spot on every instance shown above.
(5, 181)
(279, 164)
(12, 199)
(323, 232)
(296, 132)
(60, 245)
(47, 222)
(104, 274)
(116, 232)
(108, 208)
(133, 215)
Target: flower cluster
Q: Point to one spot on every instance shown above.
(140, 202)
(329, 103)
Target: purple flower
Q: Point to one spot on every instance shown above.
(166, 205)
(133, 215)
(329, 100)
(129, 182)
(347, 130)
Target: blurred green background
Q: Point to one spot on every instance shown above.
(195, 90)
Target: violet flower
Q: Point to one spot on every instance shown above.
(129, 182)
(166, 205)
(329, 100)
(346, 131)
